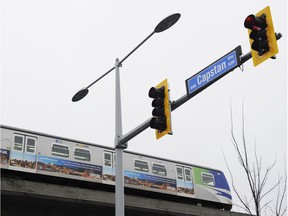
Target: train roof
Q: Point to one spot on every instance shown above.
(101, 146)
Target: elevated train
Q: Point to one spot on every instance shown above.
(43, 154)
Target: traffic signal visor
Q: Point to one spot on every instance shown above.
(261, 35)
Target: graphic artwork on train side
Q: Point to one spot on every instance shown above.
(43, 154)
(67, 167)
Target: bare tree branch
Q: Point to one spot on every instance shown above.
(283, 195)
(244, 203)
(256, 177)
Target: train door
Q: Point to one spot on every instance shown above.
(180, 178)
(23, 153)
(109, 166)
(187, 175)
(185, 185)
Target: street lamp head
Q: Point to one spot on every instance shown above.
(167, 22)
(80, 94)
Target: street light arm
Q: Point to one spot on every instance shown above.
(121, 60)
(136, 48)
(83, 92)
(162, 26)
(101, 77)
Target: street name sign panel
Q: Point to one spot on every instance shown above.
(214, 71)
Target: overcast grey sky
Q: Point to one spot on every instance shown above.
(53, 48)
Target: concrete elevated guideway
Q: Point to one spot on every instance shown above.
(24, 196)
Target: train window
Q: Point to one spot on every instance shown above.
(141, 165)
(208, 179)
(82, 154)
(18, 142)
(179, 171)
(159, 169)
(60, 150)
(188, 176)
(30, 144)
(108, 159)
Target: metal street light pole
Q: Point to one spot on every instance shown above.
(119, 180)
(120, 146)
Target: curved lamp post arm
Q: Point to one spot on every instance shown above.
(162, 26)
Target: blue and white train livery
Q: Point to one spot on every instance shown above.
(43, 154)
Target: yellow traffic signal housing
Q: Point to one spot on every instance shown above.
(167, 110)
(161, 121)
(270, 37)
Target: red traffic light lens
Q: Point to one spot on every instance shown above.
(249, 21)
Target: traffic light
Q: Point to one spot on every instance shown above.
(161, 120)
(262, 36)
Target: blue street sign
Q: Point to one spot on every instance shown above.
(214, 71)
